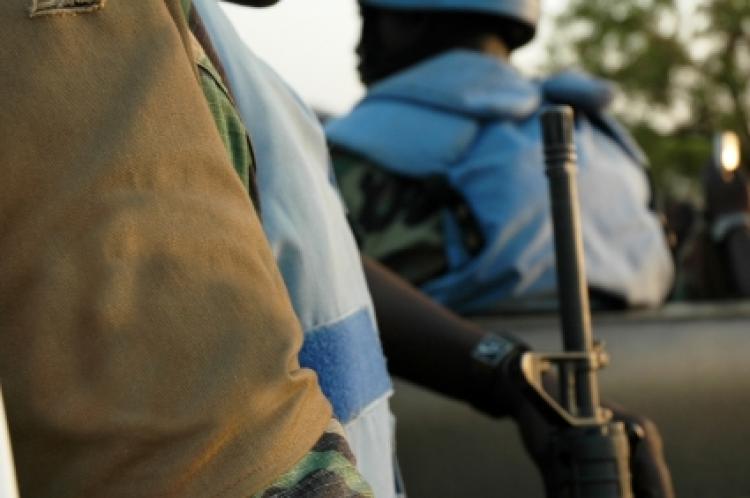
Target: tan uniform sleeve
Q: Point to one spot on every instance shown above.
(147, 346)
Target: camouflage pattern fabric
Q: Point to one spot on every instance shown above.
(228, 121)
(329, 470)
(231, 129)
(187, 7)
(400, 220)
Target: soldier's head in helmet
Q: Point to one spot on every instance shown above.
(397, 34)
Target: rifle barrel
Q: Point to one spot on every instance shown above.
(561, 161)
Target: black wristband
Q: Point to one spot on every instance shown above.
(494, 360)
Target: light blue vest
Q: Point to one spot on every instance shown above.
(474, 120)
(304, 221)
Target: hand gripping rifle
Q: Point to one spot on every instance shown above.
(590, 452)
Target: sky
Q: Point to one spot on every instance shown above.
(311, 44)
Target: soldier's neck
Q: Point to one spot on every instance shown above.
(495, 47)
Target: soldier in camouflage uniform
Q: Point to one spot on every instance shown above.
(148, 344)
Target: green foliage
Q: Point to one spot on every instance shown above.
(684, 72)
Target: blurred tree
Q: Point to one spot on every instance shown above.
(683, 68)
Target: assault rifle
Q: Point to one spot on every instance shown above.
(590, 450)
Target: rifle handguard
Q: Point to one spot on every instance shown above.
(589, 452)
(534, 365)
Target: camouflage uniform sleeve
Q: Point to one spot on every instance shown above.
(328, 470)
(392, 218)
(232, 131)
(400, 220)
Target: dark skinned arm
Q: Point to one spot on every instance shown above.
(431, 346)
(424, 342)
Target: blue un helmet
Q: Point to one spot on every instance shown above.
(524, 12)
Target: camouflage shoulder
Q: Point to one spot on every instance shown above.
(228, 121)
(187, 8)
(396, 219)
(350, 171)
(346, 163)
(327, 471)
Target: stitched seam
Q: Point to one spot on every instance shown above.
(59, 7)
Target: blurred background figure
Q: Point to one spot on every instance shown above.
(441, 163)
(713, 258)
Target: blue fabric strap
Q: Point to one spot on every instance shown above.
(350, 379)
